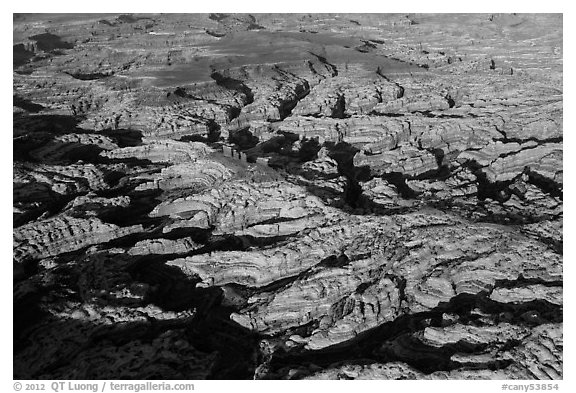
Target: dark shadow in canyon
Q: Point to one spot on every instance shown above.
(209, 329)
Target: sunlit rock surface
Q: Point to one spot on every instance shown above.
(299, 196)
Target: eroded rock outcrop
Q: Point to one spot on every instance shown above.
(58, 235)
(229, 196)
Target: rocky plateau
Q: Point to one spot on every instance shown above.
(287, 196)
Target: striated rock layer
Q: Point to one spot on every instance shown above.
(226, 196)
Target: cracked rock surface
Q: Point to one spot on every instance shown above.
(227, 196)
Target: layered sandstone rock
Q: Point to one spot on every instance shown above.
(162, 151)
(363, 196)
(63, 234)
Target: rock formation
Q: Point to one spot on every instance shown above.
(266, 196)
